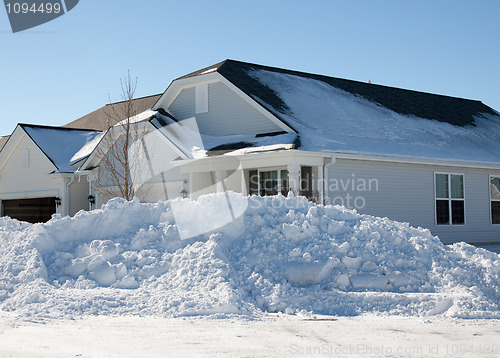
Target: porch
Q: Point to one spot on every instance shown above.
(262, 174)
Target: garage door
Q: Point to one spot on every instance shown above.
(30, 210)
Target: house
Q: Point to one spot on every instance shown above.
(426, 159)
(38, 165)
(37, 177)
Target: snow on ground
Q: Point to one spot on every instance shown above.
(275, 335)
(278, 255)
(330, 119)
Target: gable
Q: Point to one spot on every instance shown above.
(227, 112)
(25, 168)
(61, 145)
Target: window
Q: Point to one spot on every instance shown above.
(495, 199)
(450, 199)
(273, 181)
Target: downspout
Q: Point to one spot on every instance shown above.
(67, 193)
(90, 193)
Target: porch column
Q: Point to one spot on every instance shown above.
(294, 177)
(244, 189)
(220, 175)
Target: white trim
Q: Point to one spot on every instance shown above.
(278, 177)
(176, 87)
(35, 194)
(420, 161)
(492, 200)
(12, 144)
(449, 199)
(254, 160)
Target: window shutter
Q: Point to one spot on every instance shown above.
(201, 98)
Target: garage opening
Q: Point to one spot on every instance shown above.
(31, 210)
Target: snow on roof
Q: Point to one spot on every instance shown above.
(142, 116)
(330, 119)
(186, 136)
(63, 146)
(87, 148)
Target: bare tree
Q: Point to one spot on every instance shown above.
(121, 161)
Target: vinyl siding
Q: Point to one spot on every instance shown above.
(228, 113)
(78, 194)
(154, 172)
(405, 193)
(17, 182)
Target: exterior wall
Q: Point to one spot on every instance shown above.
(405, 192)
(78, 195)
(228, 113)
(18, 182)
(151, 170)
(235, 181)
(201, 184)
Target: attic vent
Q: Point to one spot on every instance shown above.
(26, 158)
(201, 98)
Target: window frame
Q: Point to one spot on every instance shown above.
(491, 199)
(279, 178)
(450, 199)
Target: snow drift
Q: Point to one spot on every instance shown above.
(280, 255)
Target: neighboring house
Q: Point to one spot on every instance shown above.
(38, 164)
(104, 117)
(37, 178)
(3, 140)
(426, 159)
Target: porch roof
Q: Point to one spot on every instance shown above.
(268, 159)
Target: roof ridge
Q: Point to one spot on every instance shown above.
(133, 99)
(199, 72)
(310, 74)
(56, 127)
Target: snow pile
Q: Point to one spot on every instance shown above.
(333, 120)
(281, 255)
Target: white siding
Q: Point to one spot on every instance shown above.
(228, 113)
(405, 192)
(151, 170)
(78, 194)
(33, 181)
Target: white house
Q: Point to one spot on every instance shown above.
(38, 165)
(426, 159)
(37, 177)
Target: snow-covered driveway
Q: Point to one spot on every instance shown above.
(272, 336)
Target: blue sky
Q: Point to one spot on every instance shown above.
(61, 70)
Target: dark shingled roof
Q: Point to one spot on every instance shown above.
(105, 117)
(456, 111)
